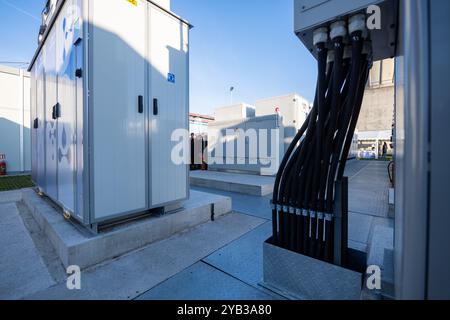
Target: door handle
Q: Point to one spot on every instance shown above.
(141, 104)
(155, 107)
(56, 112)
(36, 123)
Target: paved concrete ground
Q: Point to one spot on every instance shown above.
(21, 267)
(242, 259)
(217, 260)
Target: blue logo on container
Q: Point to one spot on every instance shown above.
(171, 77)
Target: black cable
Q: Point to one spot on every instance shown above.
(346, 115)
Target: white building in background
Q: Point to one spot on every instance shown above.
(292, 107)
(377, 112)
(15, 119)
(240, 111)
(198, 124)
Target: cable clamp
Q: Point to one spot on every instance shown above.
(272, 205)
(320, 36)
(320, 215)
(298, 211)
(313, 214)
(285, 209)
(338, 29)
(305, 213)
(279, 207)
(357, 23)
(291, 210)
(329, 217)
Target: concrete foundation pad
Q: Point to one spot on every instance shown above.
(234, 182)
(133, 274)
(76, 246)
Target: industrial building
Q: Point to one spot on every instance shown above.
(198, 124)
(15, 121)
(377, 113)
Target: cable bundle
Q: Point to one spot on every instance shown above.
(303, 199)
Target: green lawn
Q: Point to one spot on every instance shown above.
(14, 183)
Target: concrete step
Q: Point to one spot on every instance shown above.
(234, 182)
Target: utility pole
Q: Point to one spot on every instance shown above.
(231, 95)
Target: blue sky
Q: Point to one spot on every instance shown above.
(248, 44)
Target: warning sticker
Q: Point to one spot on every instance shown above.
(133, 2)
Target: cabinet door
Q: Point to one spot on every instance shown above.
(66, 150)
(169, 106)
(51, 138)
(38, 124)
(117, 126)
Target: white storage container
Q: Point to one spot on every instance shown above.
(110, 84)
(293, 108)
(239, 111)
(15, 119)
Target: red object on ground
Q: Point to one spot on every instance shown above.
(2, 168)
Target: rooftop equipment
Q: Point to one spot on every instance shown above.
(109, 87)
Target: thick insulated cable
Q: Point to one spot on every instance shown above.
(304, 186)
(279, 176)
(357, 44)
(358, 104)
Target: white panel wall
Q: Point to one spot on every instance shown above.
(163, 3)
(50, 97)
(168, 55)
(66, 59)
(119, 143)
(238, 111)
(15, 118)
(293, 108)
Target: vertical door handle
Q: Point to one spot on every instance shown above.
(141, 104)
(155, 107)
(36, 123)
(57, 111)
(54, 112)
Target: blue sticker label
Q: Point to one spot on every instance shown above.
(171, 77)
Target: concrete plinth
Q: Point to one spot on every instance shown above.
(75, 246)
(234, 182)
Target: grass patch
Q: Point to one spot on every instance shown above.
(15, 183)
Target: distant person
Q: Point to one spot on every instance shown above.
(385, 148)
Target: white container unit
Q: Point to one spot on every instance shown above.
(293, 108)
(110, 84)
(240, 111)
(15, 119)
